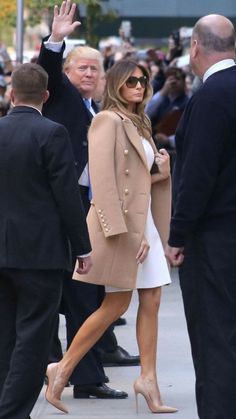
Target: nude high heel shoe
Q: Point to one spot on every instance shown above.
(55, 386)
(148, 392)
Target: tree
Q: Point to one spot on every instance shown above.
(94, 17)
(7, 12)
(38, 9)
(35, 11)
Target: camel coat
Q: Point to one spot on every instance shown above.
(121, 185)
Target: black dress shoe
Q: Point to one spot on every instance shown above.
(119, 358)
(99, 391)
(120, 322)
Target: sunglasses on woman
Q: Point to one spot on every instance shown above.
(132, 81)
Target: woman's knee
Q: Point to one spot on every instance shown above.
(150, 298)
(117, 303)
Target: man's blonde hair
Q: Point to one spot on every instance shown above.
(83, 53)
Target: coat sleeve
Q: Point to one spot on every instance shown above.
(52, 63)
(200, 149)
(102, 169)
(62, 176)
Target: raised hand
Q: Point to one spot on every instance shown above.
(63, 24)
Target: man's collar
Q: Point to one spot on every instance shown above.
(221, 65)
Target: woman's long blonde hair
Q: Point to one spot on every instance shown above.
(115, 79)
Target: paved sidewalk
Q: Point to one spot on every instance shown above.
(175, 371)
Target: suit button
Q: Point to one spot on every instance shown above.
(126, 152)
(126, 211)
(127, 171)
(126, 191)
(106, 229)
(100, 211)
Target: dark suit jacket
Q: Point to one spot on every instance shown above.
(40, 205)
(205, 169)
(66, 105)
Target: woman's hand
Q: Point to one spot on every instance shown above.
(162, 160)
(143, 251)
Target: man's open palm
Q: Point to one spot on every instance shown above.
(63, 24)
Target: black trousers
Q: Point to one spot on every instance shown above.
(208, 283)
(29, 301)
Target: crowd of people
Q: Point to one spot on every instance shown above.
(79, 234)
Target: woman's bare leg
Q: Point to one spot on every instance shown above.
(147, 329)
(113, 306)
(147, 333)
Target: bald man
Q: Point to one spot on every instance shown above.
(203, 227)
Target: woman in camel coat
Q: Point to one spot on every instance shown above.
(129, 213)
(121, 195)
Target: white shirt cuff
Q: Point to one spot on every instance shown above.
(84, 256)
(53, 46)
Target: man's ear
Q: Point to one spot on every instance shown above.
(46, 96)
(194, 48)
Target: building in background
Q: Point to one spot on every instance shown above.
(153, 19)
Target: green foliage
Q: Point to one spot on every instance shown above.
(95, 16)
(36, 10)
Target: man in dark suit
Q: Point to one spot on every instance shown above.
(203, 226)
(70, 104)
(41, 217)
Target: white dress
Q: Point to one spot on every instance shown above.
(153, 272)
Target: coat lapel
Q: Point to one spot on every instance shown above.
(134, 137)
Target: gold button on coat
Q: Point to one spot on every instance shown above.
(126, 151)
(127, 171)
(126, 191)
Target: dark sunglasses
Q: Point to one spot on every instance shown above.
(132, 81)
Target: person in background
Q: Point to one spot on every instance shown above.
(171, 99)
(108, 57)
(124, 225)
(165, 109)
(3, 87)
(4, 107)
(175, 48)
(203, 227)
